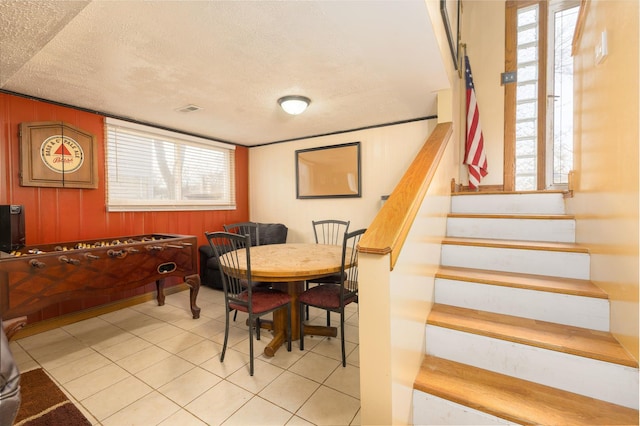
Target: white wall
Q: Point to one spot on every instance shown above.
(483, 32)
(386, 152)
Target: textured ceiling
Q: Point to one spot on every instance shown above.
(362, 63)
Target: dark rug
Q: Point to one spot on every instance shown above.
(44, 404)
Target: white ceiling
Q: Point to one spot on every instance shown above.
(362, 63)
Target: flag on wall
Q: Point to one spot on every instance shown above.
(474, 155)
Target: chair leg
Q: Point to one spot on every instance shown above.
(235, 315)
(226, 335)
(328, 318)
(251, 320)
(344, 359)
(301, 326)
(258, 328)
(289, 327)
(306, 309)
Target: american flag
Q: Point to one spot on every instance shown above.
(474, 156)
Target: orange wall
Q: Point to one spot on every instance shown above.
(64, 214)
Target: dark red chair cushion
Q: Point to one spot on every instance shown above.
(335, 278)
(326, 296)
(263, 300)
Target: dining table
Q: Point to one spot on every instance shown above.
(288, 266)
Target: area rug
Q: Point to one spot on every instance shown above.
(44, 404)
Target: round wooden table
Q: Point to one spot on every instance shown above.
(288, 266)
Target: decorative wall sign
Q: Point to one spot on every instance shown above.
(58, 155)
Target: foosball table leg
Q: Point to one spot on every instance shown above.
(13, 325)
(193, 281)
(160, 288)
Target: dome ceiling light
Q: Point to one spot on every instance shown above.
(294, 105)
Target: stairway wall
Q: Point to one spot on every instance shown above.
(606, 129)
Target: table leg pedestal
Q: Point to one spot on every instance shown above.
(279, 324)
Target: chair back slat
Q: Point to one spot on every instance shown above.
(245, 228)
(330, 231)
(349, 287)
(234, 257)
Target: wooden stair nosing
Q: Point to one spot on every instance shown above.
(514, 399)
(550, 284)
(518, 245)
(593, 344)
(510, 216)
(551, 191)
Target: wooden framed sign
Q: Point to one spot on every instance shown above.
(58, 155)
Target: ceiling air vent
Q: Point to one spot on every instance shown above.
(189, 108)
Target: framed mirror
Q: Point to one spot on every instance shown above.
(450, 11)
(329, 171)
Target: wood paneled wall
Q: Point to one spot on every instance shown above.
(57, 215)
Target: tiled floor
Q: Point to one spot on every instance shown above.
(150, 365)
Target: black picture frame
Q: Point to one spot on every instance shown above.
(329, 171)
(453, 40)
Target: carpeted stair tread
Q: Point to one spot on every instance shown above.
(550, 284)
(578, 341)
(515, 400)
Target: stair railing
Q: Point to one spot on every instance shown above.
(388, 231)
(393, 304)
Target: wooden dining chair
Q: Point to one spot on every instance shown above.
(245, 228)
(229, 249)
(328, 231)
(335, 297)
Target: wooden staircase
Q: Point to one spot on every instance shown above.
(518, 334)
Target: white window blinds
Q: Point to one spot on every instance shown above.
(153, 169)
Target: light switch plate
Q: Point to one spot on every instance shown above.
(508, 77)
(602, 48)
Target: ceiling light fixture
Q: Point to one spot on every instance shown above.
(294, 105)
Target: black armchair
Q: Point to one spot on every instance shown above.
(270, 233)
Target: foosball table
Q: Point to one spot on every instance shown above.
(32, 278)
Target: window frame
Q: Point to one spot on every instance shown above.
(133, 203)
(511, 65)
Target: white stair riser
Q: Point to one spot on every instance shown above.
(556, 230)
(540, 262)
(577, 311)
(536, 203)
(597, 379)
(432, 410)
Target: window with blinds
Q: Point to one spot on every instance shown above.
(153, 169)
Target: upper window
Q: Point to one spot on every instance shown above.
(154, 169)
(539, 112)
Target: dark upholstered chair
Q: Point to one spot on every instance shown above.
(270, 233)
(334, 297)
(229, 248)
(329, 231)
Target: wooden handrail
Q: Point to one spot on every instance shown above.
(390, 227)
